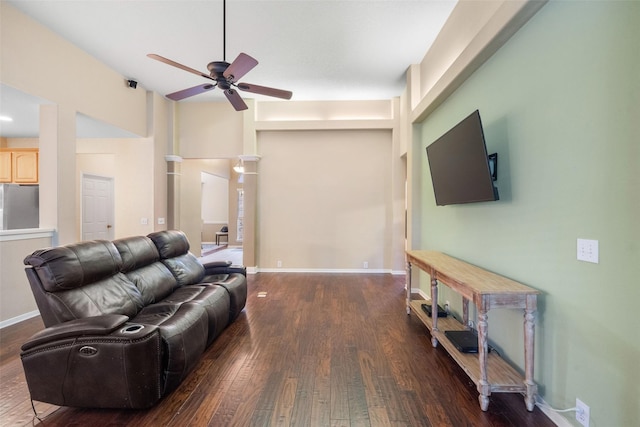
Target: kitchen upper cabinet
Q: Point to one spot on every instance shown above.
(5, 166)
(19, 165)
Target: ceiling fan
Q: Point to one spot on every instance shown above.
(225, 76)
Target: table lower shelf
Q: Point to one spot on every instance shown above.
(501, 376)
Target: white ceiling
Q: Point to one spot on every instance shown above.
(320, 50)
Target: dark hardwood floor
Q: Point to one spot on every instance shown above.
(318, 350)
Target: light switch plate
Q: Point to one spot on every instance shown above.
(588, 250)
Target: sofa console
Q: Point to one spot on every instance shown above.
(126, 320)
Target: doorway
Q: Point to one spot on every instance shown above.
(97, 207)
(214, 208)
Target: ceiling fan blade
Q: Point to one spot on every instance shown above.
(263, 90)
(235, 99)
(241, 66)
(178, 65)
(186, 93)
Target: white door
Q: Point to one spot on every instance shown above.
(97, 207)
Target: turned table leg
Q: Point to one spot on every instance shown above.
(434, 309)
(465, 312)
(529, 335)
(408, 285)
(483, 384)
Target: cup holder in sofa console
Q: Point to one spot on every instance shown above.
(131, 329)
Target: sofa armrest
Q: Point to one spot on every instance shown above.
(94, 326)
(223, 267)
(215, 264)
(98, 362)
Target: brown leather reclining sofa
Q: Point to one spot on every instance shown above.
(126, 321)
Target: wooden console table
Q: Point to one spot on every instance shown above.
(487, 290)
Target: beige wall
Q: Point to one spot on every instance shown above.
(309, 121)
(202, 127)
(26, 46)
(215, 199)
(39, 62)
(16, 299)
(20, 142)
(209, 130)
(324, 199)
(325, 111)
(133, 180)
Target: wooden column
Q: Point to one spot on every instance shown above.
(173, 191)
(250, 187)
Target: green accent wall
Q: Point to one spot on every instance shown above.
(560, 103)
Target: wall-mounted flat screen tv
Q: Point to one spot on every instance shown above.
(460, 169)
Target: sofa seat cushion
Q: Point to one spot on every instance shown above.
(183, 330)
(214, 299)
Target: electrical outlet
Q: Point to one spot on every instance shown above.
(447, 306)
(365, 264)
(279, 264)
(582, 413)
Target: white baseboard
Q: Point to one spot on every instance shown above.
(324, 270)
(19, 319)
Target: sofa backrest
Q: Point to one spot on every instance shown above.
(81, 280)
(173, 247)
(141, 264)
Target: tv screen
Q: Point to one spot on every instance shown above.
(459, 165)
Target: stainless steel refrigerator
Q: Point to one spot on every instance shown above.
(19, 206)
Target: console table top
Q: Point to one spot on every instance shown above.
(457, 273)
